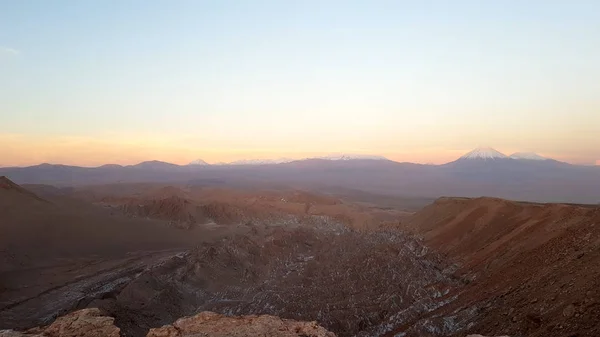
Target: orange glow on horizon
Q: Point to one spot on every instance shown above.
(18, 150)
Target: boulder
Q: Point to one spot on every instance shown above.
(211, 324)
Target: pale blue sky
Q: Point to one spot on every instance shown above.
(413, 80)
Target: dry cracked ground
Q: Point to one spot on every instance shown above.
(139, 258)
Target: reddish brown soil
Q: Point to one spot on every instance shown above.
(535, 267)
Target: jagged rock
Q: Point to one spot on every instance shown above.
(211, 324)
(484, 336)
(86, 322)
(81, 323)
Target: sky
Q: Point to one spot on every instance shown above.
(123, 81)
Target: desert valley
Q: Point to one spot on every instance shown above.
(346, 243)
(299, 168)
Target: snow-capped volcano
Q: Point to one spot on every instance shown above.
(485, 153)
(288, 160)
(527, 156)
(199, 162)
(259, 161)
(352, 157)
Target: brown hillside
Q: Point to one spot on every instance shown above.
(10, 190)
(534, 267)
(38, 231)
(57, 253)
(187, 206)
(476, 230)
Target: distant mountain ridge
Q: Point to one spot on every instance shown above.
(352, 157)
(481, 172)
(485, 153)
(259, 161)
(289, 160)
(154, 164)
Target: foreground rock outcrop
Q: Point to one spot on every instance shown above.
(211, 324)
(91, 323)
(82, 323)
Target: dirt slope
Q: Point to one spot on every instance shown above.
(10, 190)
(535, 267)
(36, 230)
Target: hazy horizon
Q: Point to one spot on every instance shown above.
(290, 157)
(92, 83)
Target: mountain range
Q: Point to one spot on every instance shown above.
(288, 160)
(485, 153)
(481, 172)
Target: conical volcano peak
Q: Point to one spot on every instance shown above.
(485, 153)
